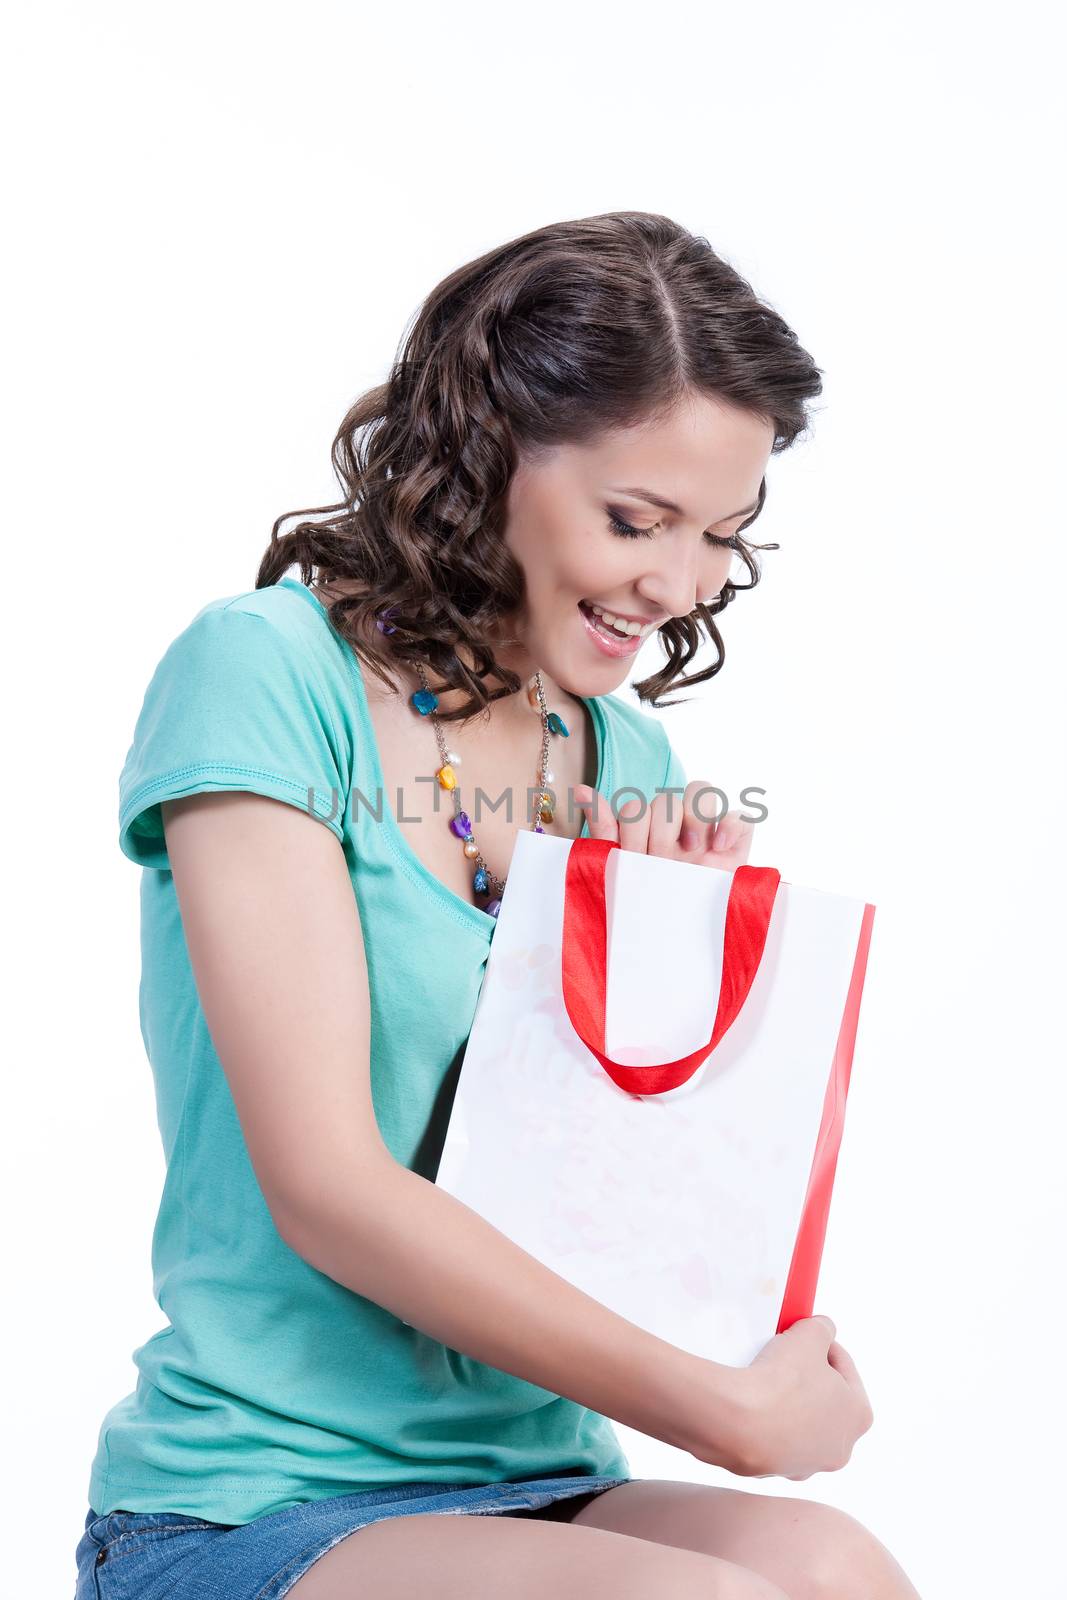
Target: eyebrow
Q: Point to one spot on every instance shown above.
(668, 505)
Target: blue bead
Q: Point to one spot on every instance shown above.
(424, 701)
(556, 724)
(481, 882)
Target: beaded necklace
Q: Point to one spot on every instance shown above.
(425, 703)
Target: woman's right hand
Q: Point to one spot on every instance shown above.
(803, 1406)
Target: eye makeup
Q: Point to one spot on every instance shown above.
(626, 530)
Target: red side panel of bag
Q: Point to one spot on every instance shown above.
(799, 1296)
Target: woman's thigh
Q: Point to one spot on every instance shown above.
(465, 1557)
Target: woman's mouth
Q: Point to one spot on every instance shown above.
(613, 637)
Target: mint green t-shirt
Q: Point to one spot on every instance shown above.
(271, 1384)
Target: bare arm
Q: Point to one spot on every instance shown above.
(276, 946)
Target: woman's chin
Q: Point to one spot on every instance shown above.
(586, 672)
(577, 660)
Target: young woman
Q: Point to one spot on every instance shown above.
(561, 464)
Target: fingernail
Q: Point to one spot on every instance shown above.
(720, 841)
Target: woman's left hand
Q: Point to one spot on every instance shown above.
(684, 836)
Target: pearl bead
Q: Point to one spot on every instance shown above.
(453, 759)
(470, 849)
(550, 777)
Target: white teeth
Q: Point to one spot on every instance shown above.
(643, 628)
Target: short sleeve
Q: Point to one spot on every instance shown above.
(234, 703)
(673, 778)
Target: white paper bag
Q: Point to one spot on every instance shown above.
(698, 1212)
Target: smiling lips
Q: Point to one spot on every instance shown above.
(621, 625)
(606, 638)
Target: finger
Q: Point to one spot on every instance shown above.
(732, 836)
(843, 1363)
(702, 805)
(665, 821)
(635, 818)
(598, 813)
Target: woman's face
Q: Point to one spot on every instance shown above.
(708, 460)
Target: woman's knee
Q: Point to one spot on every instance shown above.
(849, 1559)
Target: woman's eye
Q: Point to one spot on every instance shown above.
(626, 530)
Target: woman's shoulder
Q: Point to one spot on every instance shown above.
(250, 694)
(288, 605)
(280, 630)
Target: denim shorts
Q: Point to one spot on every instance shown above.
(167, 1555)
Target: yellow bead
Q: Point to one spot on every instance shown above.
(470, 849)
(446, 777)
(546, 813)
(531, 695)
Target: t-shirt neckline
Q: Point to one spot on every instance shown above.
(407, 857)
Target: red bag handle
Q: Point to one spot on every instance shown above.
(585, 963)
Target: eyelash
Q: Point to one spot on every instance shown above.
(626, 531)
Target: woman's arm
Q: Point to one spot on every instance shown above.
(276, 946)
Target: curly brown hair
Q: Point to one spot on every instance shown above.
(549, 339)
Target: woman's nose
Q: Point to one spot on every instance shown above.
(675, 586)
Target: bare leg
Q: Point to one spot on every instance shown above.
(813, 1551)
(445, 1556)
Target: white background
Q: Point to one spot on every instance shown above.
(221, 219)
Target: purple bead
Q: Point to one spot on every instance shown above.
(493, 908)
(383, 625)
(538, 829)
(461, 826)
